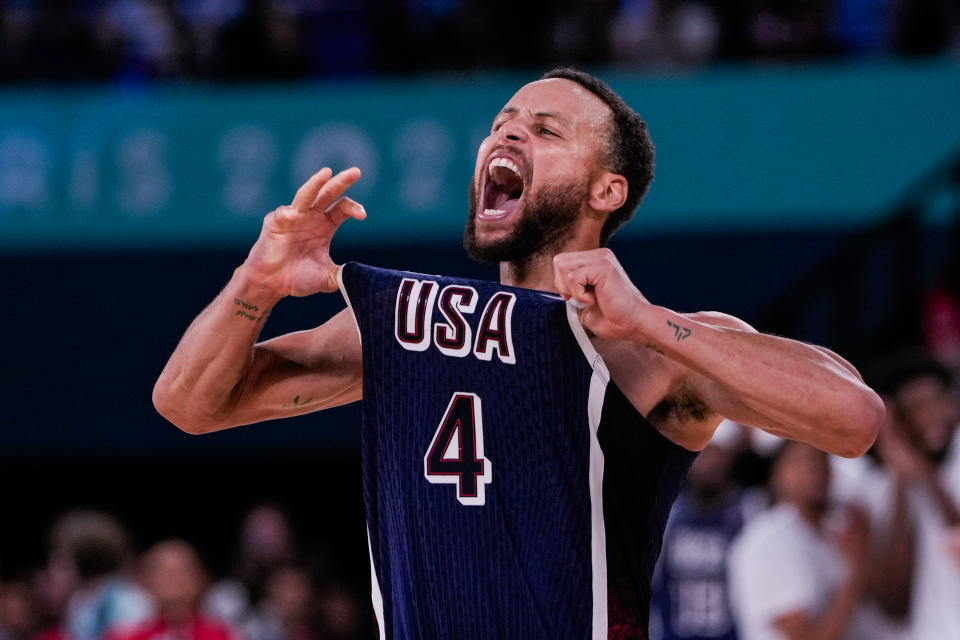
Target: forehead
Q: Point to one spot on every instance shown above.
(799, 453)
(563, 98)
(922, 389)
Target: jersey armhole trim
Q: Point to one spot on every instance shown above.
(375, 594)
(594, 359)
(346, 297)
(598, 534)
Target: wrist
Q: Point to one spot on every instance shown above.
(857, 578)
(253, 288)
(661, 326)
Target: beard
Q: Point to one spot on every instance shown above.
(936, 454)
(546, 219)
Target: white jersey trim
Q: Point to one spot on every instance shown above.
(346, 297)
(598, 534)
(594, 359)
(375, 595)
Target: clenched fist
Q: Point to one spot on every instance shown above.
(612, 306)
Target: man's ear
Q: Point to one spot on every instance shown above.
(608, 192)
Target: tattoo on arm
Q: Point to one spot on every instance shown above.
(682, 333)
(297, 402)
(653, 347)
(247, 311)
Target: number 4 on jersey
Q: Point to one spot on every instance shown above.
(455, 455)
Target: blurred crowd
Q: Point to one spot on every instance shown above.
(768, 540)
(773, 539)
(137, 40)
(94, 586)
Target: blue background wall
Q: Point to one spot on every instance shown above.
(122, 213)
(737, 149)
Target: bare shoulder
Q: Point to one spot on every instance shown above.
(642, 372)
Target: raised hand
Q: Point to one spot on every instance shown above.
(952, 541)
(898, 455)
(292, 255)
(611, 304)
(853, 540)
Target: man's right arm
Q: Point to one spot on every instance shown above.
(218, 376)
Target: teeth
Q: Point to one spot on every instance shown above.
(493, 212)
(503, 162)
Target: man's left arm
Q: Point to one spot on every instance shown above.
(789, 388)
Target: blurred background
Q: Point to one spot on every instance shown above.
(808, 181)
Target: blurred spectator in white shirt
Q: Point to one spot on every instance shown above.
(287, 610)
(918, 447)
(690, 582)
(799, 571)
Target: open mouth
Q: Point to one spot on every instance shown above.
(501, 190)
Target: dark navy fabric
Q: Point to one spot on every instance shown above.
(519, 565)
(642, 475)
(449, 570)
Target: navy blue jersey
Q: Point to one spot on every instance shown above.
(511, 490)
(690, 593)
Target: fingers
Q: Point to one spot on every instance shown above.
(345, 208)
(320, 189)
(575, 279)
(580, 291)
(560, 282)
(333, 280)
(319, 200)
(334, 188)
(307, 193)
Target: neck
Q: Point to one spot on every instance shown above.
(536, 271)
(708, 497)
(178, 615)
(811, 513)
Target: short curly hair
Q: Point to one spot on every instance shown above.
(629, 149)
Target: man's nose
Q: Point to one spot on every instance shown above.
(512, 131)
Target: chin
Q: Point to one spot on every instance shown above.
(489, 232)
(515, 229)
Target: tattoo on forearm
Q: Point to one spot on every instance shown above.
(297, 403)
(682, 333)
(652, 346)
(247, 311)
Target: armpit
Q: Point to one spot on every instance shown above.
(683, 406)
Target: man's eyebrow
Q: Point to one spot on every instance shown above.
(539, 114)
(547, 114)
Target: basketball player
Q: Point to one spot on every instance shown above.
(564, 462)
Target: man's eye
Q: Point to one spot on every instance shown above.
(547, 132)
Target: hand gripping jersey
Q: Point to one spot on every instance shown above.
(511, 490)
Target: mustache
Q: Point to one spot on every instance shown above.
(509, 148)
